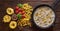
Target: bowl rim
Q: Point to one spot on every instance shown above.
(42, 6)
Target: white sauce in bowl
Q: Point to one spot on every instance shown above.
(44, 16)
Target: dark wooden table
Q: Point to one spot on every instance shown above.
(12, 3)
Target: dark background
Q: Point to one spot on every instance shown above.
(12, 3)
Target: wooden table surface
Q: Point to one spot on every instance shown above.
(12, 3)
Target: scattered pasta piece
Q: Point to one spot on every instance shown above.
(10, 11)
(6, 18)
(13, 24)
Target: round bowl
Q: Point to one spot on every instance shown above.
(34, 10)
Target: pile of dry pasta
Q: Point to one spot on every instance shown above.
(20, 16)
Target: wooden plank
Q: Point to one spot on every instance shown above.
(34, 4)
(57, 27)
(38, 0)
(12, 3)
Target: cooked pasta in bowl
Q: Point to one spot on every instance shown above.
(43, 16)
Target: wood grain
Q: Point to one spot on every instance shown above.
(12, 3)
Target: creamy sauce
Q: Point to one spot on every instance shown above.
(44, 16)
